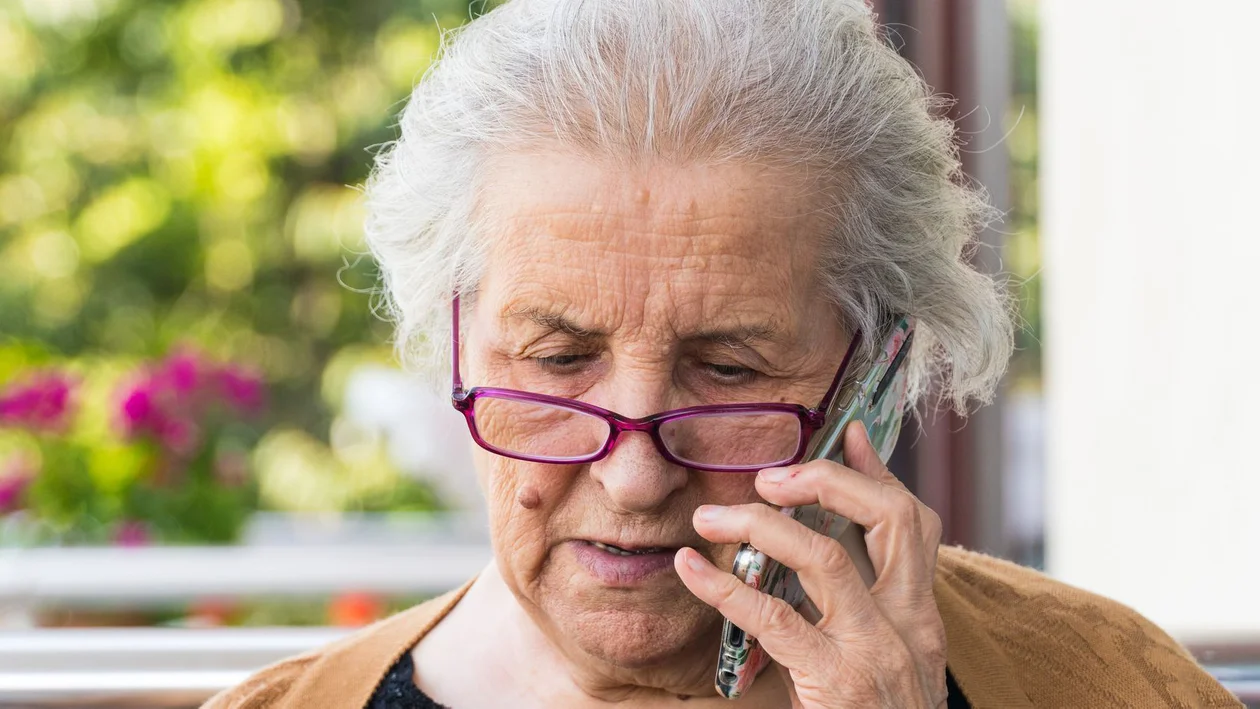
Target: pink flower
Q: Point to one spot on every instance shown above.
(172, 401)
(243, 390)
(11, 489)
(180, 436)
(132, 533)
(41, 403)
(182, 372)
(137, 408)
(149, 410)
(16, 476)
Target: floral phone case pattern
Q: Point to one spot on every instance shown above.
(880, 406)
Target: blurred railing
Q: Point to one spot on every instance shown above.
(283, 556)
(170, 668)
(150, 575)
(1236, 664)
(138, 667)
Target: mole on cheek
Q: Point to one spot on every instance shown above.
(528, 497)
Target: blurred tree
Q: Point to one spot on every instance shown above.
(182, 172)
(1023, 248)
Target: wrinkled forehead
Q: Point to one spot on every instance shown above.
(687, 244)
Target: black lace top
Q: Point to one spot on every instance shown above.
(398, 690)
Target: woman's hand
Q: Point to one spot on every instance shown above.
(882, 647)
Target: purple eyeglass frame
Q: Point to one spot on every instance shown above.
(811, 420)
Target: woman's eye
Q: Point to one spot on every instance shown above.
(563, 362)
(732, 373)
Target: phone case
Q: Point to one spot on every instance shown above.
(878, 400)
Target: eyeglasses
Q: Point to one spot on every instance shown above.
(719, 438)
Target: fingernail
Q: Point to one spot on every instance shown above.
(862, 426)
(710, 513)
(694, 561)
(774, 475)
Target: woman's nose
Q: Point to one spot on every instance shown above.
(635, 476)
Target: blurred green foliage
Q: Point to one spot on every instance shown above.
(183, 172)
(1023, 245)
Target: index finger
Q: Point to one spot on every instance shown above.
(790, 640)
(890, 515)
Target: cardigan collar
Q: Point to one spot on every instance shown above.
(351, 668)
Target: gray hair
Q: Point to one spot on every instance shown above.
(805, 83)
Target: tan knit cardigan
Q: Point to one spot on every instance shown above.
(1016, 639)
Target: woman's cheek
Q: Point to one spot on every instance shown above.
(483, 461)
(515, 488)
(502, 479)
(523, 498)
(728, 488)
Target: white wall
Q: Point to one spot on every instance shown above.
(1151, 224)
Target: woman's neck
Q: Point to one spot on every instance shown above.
(513, 655)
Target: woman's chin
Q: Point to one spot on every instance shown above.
(639, 639)
(651, 620)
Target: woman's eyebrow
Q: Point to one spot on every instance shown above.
(554, 322)
(740, 336)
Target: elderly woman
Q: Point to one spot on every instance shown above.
(646, 205)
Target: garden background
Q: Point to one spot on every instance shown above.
(189, 339)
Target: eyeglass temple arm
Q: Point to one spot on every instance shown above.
(844, 367)
(457, 383)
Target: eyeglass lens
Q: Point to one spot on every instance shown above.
(556, 433)
(730, 439)
(537, 429)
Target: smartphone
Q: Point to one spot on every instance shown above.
(877, 398)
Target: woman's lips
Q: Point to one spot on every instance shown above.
(614, 568)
